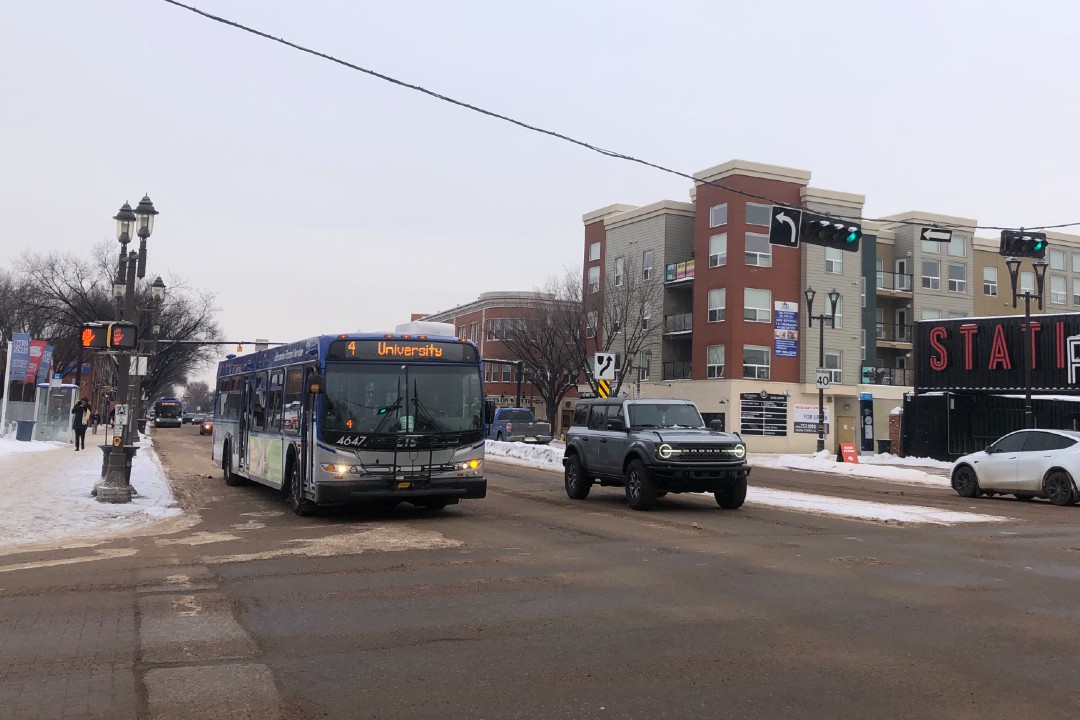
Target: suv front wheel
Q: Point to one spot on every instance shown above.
(733, 497)
(576, 481)
(640, 488)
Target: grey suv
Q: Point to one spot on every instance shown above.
(652, 447)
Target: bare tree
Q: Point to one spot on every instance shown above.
(199, 395)
(621, 320)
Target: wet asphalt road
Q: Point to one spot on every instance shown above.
(529, 605)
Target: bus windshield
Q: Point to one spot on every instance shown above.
(411, 398)
(167, 409)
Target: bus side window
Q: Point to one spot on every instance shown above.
(258, 403)
(294, 395)
(277, 379)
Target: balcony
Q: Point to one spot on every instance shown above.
(677, 370)
(679, 324)
(888, 376)
(681, 273)
(892, 283)
(892, 334)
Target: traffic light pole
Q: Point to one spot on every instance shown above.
(1029, 416)
(1039, 266)
(116, 487)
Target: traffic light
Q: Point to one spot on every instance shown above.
(830, 232)
(109, 336)
(1021, 243)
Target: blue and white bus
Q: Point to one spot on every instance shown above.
(350, 418)
(168, 412)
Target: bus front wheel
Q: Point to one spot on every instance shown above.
(231, 479)
(300, 504)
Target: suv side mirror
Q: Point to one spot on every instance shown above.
(989, 450)
(716, 425)
(616, 424)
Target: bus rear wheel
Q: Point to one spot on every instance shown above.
(299, 504)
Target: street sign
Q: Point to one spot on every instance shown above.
(604, 366)
(121, 414)
(603, 389)
(823, 378)
(784, 229)
(936, 234)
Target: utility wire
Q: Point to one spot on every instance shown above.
(580, 143)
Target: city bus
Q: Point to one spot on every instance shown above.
(353, 418)
(168, 412)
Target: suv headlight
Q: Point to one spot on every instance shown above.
(739, 451)
(664, 451)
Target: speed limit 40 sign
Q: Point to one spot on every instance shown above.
(823, 378)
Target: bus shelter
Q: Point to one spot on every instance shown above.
(52, 412)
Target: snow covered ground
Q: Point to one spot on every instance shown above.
(47, 498)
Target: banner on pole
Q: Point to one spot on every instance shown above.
(20, 356)
(37, 349)
(45, 368)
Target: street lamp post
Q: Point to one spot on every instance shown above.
(116, 488)
(834, 297)
(1039, 266)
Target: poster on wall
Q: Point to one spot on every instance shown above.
(786, 331)
(763, 413)
(805, 418)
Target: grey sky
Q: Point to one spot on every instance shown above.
(315, 199)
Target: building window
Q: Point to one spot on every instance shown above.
(714, 363)
(879, 267)
(757, 305)
(990, 280)
(758, 250)
(718, 215)
(718, 250)
(646, 317)
(1057, 259)
(758, 214)
(930, 246)
(931, 274)
(507, 373)
(838, 318)
(474, 331)
(958, 246)
(834, 363)
(590, 325)
(462, 332)
(620, 271)
(879, 316)
(1027, 283)
(1076, 291)
(594, 252)
(616, 323)
(1076, 262)
(717, 305)
(956, 314)
(1057, 289)
(643, 365)
(755, 362)
(646, 264)
(957, 278)
(834, 260)
(594, 279)
(931, 314)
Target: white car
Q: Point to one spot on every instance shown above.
(1025, 463)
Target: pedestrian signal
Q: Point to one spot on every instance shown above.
(109, 336)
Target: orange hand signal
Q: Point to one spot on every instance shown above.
(87, 337)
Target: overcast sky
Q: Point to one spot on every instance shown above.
(315, 199)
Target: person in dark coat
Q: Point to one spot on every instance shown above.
(80, 418)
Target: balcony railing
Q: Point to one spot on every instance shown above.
(889, 332)
(678, 323)
(888, 376)
(895, 281)
(679, 272)
(677, 370)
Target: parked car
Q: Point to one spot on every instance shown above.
(517, 425)
(650, 448)
(206, 427)
(1026, 464)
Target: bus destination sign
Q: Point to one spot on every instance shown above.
(411, 350)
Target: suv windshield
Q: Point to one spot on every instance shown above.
(664, 415)
(387, 399)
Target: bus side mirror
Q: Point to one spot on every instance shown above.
(489, 410)
(316, 384)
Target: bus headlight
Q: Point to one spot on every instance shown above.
(469, 467)
(340, 470)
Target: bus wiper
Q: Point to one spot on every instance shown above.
(386, 413)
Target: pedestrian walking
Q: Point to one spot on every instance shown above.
(80, 419)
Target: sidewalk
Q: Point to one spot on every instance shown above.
(47, 497)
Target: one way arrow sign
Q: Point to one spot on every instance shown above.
(936, 234)
(784, 229)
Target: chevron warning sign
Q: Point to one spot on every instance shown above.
(603, 388)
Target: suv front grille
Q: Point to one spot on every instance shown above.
(706, 453)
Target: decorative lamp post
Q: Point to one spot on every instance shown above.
(834, 297)
(116, 488)
(1039, 266)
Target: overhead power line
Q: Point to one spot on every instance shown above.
(575, 141)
